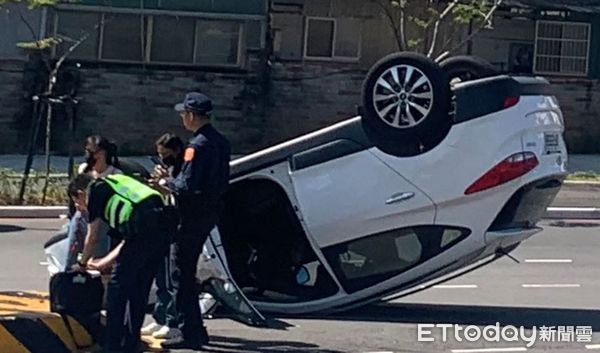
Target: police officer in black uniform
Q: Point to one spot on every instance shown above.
(198, 188)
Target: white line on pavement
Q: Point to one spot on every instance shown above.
(551, 285)
(43, 263)
(549, 261)
(592, 346)
(481, 350)
(574, 209)
(455, 286)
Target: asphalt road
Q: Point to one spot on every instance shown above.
(555, 284)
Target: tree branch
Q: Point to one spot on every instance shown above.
(437, 26)
(400, 41)
(484, 23)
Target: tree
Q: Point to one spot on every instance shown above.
(41, 46)
(416, 24)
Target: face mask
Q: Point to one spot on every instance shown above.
(90, 159)
(169, 160)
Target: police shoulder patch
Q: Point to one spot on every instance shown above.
(189, 154)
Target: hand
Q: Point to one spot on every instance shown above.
(160, 172)
(78, 268)
(101, 265)
(159, 186)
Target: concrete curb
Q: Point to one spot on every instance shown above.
(58, 211)
(572, 213)
(33, 211)
(26, 326)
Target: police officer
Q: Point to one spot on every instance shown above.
(136, 214)
(198, 188)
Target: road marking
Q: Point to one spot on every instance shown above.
(592, 346)
(43, 263)
(455, 286)
(482, 350)
(549, 261)
(575, 209)
(552, 285)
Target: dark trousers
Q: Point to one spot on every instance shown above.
(129, 287)
(165, 312)
(188, 247)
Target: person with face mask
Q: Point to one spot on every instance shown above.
(100, 161)
(169, 148)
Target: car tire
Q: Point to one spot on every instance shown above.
(406, 104)
(466, 68)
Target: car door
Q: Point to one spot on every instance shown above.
(217, 281)
(343, 194)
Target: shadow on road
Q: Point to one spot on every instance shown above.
(470, 315)
(9, 228)
(575, 224)
(230, 345)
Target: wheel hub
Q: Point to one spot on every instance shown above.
(403, 96)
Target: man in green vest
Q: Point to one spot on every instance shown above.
(139, 219)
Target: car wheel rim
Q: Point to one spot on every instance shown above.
(403, 96)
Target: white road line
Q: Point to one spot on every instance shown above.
(43, 263)
(592, 346)
(380, 352)
(551, 285)
(482, 350)
(581, 209)
(549, 261)
(455, 286)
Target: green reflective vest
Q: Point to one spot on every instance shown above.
(128, 193)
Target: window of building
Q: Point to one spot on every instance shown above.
(332, 38)
(218, 42)
(368, 261)
(122, 37)
(72, 27)
(171, 39)
(159, 38)
(562, 48)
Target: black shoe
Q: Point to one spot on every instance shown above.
(181, 343)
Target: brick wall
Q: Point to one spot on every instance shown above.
(580, 103)
(13, 126)
(134, 105)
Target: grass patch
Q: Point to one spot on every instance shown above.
(10, 184)
(584, 176)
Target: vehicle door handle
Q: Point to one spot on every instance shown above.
(399, 197)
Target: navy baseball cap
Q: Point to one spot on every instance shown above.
(195, 102)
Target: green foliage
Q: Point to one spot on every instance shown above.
(474, 11)
(584, 176)
(41, 44)
(32, 4)
(10, 183)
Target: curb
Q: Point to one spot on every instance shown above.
(572, 213)
(33, 211)
(27, 327)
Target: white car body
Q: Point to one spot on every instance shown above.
(369, 224)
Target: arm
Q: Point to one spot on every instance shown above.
(91, 239)
(196, 160)
(107, 261)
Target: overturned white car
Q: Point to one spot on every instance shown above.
(432, 180)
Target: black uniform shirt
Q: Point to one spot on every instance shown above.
(203, 178)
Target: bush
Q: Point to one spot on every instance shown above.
(10, 183)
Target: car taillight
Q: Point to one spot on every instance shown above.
(511, 101)
(511, 168)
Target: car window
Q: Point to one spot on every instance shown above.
(364, 262)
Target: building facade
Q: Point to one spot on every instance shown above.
(275, 69)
